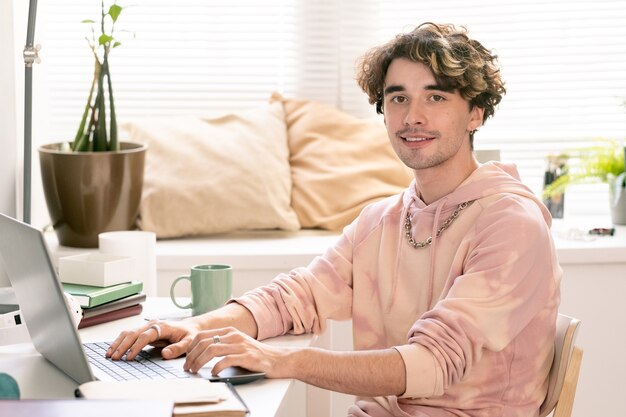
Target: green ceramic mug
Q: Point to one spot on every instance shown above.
(211, 287)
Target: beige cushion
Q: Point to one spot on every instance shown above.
(339, 164)
(212, 175)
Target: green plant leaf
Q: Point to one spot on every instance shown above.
(596, 163)
(93, 134)
(114, 11)
(104, 39)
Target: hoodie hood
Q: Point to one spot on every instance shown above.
(488, 179)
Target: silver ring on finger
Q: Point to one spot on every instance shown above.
(216, 339)
(156, 328)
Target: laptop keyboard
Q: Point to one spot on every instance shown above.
(142, 367)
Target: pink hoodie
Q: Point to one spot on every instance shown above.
(473, 314)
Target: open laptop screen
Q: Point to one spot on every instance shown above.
(25, 257)
(24, 253)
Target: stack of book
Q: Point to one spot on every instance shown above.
(102, 304)
(103, 286)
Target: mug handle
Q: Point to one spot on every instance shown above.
(173, 296)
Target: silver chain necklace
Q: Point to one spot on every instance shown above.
(408, 226)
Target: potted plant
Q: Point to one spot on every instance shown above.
(93, 184)
(603, 162)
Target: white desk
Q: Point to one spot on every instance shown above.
(37, 378)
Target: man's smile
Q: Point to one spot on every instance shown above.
(409, 136)
(415, 139)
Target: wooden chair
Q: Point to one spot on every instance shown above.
(563, 376)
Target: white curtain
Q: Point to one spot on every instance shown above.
(564, 62)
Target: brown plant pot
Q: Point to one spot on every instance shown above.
(92, 192)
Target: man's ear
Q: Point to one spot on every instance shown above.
(476, 118)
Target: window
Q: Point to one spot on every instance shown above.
(564, 62)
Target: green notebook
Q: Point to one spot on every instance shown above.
(89, 296)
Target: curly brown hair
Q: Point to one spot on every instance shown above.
(457, 62)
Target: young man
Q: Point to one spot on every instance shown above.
(452, 286)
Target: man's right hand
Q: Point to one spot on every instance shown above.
(176, 336)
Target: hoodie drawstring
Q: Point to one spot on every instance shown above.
(401, 236)
(396, 269)
(431, 273)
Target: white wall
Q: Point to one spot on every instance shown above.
(13, 23)
(8, 120)
(8, 117)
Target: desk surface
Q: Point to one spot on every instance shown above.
(37, 378)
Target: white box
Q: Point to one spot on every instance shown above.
(14, 334)
(96, 269)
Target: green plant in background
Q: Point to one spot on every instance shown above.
(93, 134)
(601, 162)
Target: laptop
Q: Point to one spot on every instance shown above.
(25, 257)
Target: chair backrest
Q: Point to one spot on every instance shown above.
(486, 155)
(563, 374)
